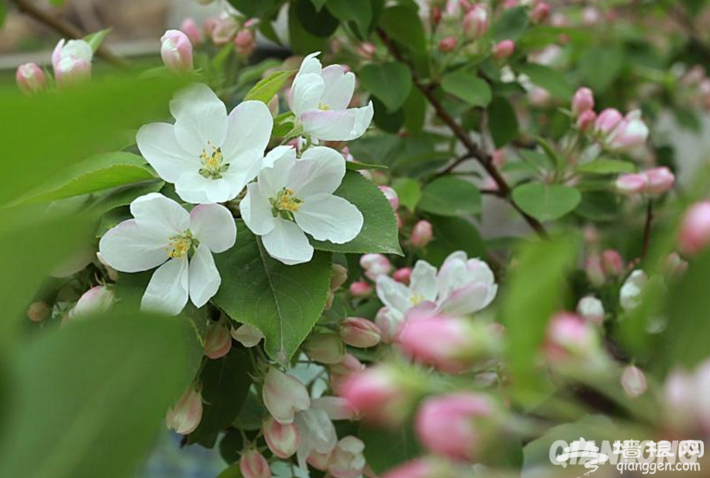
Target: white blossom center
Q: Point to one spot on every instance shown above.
(213, 165)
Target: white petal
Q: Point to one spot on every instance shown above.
(337, 408)
(197, 189)
(393, 294)
(277, 153)
(204, 277)
(339, 87)
(329, 218)
(155, 210)
(79, 49)
(423, 281)
(468, 299)
(130, 247)
(167, 289)
(200, 116)
(249, 128)
(273, 179)
(213, 225)
(320, 170)
(363, 118)
(329, 125)
(287, 243)
(256, 211)
(310, 64)
(242, 169)
(158, 145)
(306, 93)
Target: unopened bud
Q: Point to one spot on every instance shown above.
(540, 12)
(190, 28)
(633, 381)
(252, 464)
(583, 100)
(504, 49)
(612, 262)
(391, 196)
(282, 440)
(361, 289)
(403, 275)
(218, 341)
(30, 78)
(38, 311)
(659, 180)
(245, 42)
(694, 234)
(186, 415)
(176, 51)
(284, 395)
(422, 234)
(94, 301)
(590, 308)
(360, 333)
(569, 337)
(608, 120)
(375, 265)
(630, 184)
(326, 348)
(476, 22)
(594, 270)
(630, 133)
(632, 290)
(586, 120)
(448, 44)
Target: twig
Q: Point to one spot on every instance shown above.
(65, 29)
(647, 229)
(453, 165)
(474, 151)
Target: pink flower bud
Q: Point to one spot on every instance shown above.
(247, 335)
(176, 51)
(476, 22)
(612, 262)
(252, 464)
(630, 184)
(38, 311)
(341, 371)
(284, 395)
(366, 50)
(223, 30)
(218, 341)
(403, 275)
(659, 180)
(435, 15)
(375, 265)
(94, 301)
(319, 461)
(186, 415)
(347, 459)
(504, 49)
(30, 78)
(585, 121)
(282, 440)
(245, 42)
(422, 234)
(361, 289)
(448, 44)
(590, 308)
(633, 381)
(694, 235)
(359, 332)
(629, 133)
(540, 12)
(608, 120)
(190, 28)
(595, 271)
(452, 425)
(326, 348)
(569, 337)
(391, 196)
(583, 100)
(72, 62)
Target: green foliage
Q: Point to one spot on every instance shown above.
(385, 449)
(546, 202)
(402, 24)
(319, 23)
(465, 85)
(449, 196)
(607, 166)
(601, 66)
(453, 234)
(389, 82)
(503, 122)
(511, 25)
(409, 192)
(549, 79)
(268, 87)
(357, 13)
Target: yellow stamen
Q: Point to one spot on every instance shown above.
(179, 246)
(213, 162)
(286, 201)
(323, 106)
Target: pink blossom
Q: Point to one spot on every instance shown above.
(694, 234)
(30, 78)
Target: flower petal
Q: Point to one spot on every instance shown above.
(167, 289)
(155, 210)
(213, 225)
(329, 125)
(158, 145)
(256, 211)
(242, 169)
(329, 218)
(197, 189)
(363, 118)
(423, 280)
(204, 277)
(200, 116)
(273, 179)
(287, 243)
(319, 171)
(306, 93)
(468, 299)
(131, 247)
(310, 64)
(249, 128)
(339, 87)
(393, 294)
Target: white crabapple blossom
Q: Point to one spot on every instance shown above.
(209, 156)
(320, 97)
(294, 197)
(180, 244)
(71, 61)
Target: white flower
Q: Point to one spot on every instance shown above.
(71, 61)
(320, 97)
(630, 294)
(462, 286)
(94, 301)
(316, 426)
(208, 155)
(295, 196)
(180, 244)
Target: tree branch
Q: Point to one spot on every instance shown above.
(63, 28)
(474, 151)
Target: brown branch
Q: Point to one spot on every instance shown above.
(474, 151)
(647, 229)
(63, 28)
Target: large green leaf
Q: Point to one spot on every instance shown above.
(511, 24)
(409, 192)
(97, 173)
(601, 66)
(89, 399)
(389, 82)
(546, 202)
(379, 232)
(265, 89)
(549, 79)
(320, 23)
(453, 234)
(360, 13)
(466, 85)
(385, 449)
(402, 23)
(502, 121)
(284, 302)
(449, 196)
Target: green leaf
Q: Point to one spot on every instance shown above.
(317, 22)
(402, 23)
(409, 192)
(301, 40)
(319, 3)
(453, 234)
(270, 86)
(97, 173)
(538, 160)
(511, 25)
(123, 196)
(502, 121)
(607, 166)
(449, 196)
(225, 385)
(108, 412)
(284, 302)
(96, 39)
(358, 166)
(549, 79)
(414, 109)
(546, 202)
(255, 8)
(360, 13)
(601, 66)
(385, 449)
(465, 85)
(379, 231)
(389, 82)
(388, 122)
